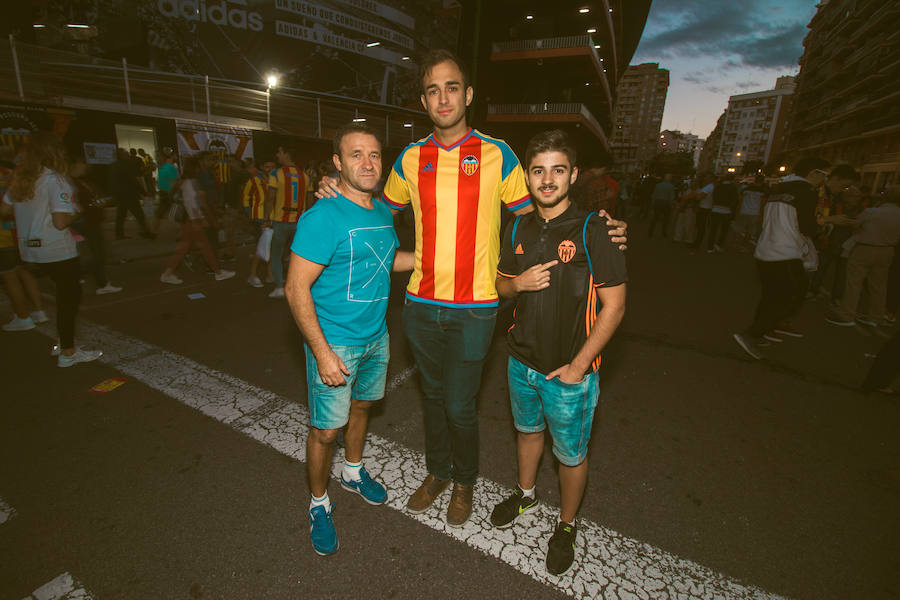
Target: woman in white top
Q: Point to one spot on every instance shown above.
(193, 231)
(41, 198)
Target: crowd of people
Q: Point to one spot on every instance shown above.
(557, 259)
(342, 249)
(816, 232)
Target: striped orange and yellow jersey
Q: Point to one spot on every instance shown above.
(456, 192)
(253, 195)
(290, 185)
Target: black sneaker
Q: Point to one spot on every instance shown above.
(509, 510)
(561, 549)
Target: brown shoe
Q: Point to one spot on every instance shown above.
(423, 497)
(460, 508)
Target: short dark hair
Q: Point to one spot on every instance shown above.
(432, 58)
(290, 147)
(553, 140)
(809, 164)
(349, 128)
(844, 171)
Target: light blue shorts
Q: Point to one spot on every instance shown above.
(566, 408)
(329, 407)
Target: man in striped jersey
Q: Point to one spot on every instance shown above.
(285, 201)
(456, 180)
(253, 198)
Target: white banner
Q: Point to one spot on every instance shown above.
(321, 35)
(224, 141)
(383, 11)
(99, 154)
(334, 17)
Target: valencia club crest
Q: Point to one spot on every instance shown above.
(469, 165)
(566, 250)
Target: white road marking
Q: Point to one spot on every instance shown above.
(608, 565)
(64, 587)
(7, 512)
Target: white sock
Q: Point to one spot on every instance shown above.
(529, 493)
(323, 501)
(351, 471)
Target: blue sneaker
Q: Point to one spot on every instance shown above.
(321, 531)
(370, 490)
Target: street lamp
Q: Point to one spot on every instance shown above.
(781, 168)
(271, 82)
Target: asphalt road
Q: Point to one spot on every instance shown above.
(775, 475)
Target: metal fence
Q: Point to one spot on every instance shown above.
(37, 74)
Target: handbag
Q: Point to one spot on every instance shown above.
(264, 245)
(177, 212)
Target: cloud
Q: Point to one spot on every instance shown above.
(742, 34)
(698, 77)
(781, 49)
(746, 85)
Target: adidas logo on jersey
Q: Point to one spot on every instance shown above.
(428, 168)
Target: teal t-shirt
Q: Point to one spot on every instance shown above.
(356, 245)
(166, 176)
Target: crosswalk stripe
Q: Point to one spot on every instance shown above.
(63, 587)
(608, 564)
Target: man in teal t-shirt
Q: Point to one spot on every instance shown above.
(337, 287)
(165, 179)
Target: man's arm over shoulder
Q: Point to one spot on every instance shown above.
(396, 193)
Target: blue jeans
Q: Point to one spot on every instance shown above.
(282, 237)
(566, 408)
(449, 345)
(329, 406)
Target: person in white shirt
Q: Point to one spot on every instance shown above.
(784, 254)
(193, 231)
(41, 198)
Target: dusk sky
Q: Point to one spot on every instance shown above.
(718, 48)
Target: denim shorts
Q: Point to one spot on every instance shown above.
(329, 407)
(566, 408)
